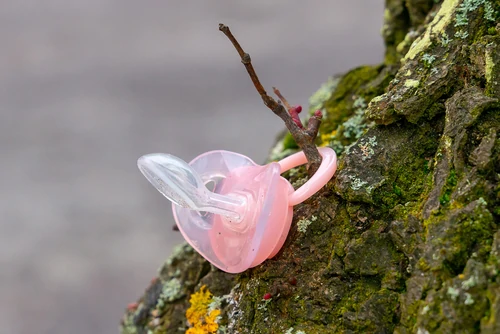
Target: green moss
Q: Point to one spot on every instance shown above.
(383, 303)
(323, 94)
(360, 293)
(345, 110)
(340, 105)
(449, 186)
(289, 142)
(455, 236)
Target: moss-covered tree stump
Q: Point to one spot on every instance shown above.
(405, 237)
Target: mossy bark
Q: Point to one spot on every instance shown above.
(405, 237)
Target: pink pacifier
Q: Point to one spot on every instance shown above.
(245, 219)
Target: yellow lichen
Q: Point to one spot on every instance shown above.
(489, 66)
(327, 137)
(198, 315)
(412, 83)
(435, 28)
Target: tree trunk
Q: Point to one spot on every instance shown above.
(404, 238)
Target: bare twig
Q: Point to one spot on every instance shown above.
(293, 111)
(282, 98)
(314, 123)
(303, 137)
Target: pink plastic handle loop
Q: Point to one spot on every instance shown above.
(320, 178)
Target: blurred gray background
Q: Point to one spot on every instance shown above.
(88, 86)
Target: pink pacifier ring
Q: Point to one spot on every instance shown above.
(324, 173)
(320, 178)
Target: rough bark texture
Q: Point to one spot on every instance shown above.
(404, 238)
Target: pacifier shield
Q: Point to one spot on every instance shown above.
(234, 245)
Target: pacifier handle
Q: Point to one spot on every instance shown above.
(318, 180)
(182, 185)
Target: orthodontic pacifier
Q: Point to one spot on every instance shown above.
(245, 218)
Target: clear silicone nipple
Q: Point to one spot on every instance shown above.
(178, 182)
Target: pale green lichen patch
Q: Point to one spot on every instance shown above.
(489, 65)
(355, 126)
(462, 34)
(357, 183)
(345, 120)
(445, 39)
(303, 224)
(279, 151)
(428, 59)
(469, 283)
(367, 146)
(453, 293)
(318, 99)
(412, 83)
(171, 291)
(468, 299)
(178, 252)
(468, 6)
(443, 17)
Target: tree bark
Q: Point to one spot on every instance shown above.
(405, 237)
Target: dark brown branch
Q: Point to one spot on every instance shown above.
(304, 138)
(246, 60)
(314, 123)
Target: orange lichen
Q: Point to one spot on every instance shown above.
(202, 320)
